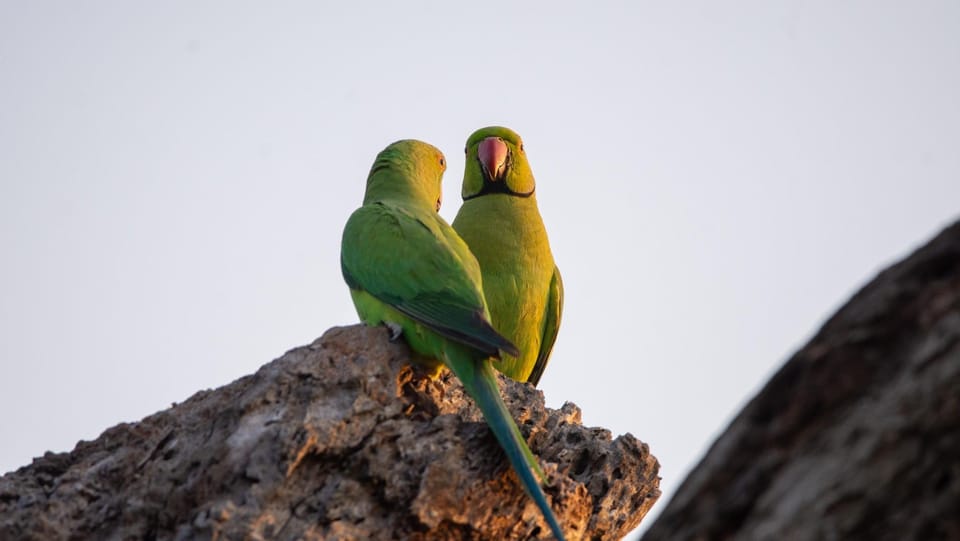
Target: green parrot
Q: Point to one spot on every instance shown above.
(408, 269)
(501, 224)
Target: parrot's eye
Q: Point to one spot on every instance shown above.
(521, 147)
(443, 163)
(464, 151)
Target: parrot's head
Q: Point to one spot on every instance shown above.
(496, 163)
(410, 170)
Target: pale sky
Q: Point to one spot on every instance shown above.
(715, 179)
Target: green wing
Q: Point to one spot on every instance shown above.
(551, 326)
(416, 263)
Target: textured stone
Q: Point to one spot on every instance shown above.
(340, 439)
(857, 436)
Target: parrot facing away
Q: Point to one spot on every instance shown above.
(408, 269)
(500, 222)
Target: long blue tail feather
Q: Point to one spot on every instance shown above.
(480, 382)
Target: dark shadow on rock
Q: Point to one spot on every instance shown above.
(858, 434)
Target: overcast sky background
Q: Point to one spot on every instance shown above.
(716, 180)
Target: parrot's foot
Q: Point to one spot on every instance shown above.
(433, 372)
(395, 330)
(427, 367)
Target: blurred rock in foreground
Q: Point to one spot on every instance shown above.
(340, 439)
(857, 436)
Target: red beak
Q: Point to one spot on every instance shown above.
(493, 154)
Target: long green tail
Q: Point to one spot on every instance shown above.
(480, 381)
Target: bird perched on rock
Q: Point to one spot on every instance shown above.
(407, 268)
(500, 222)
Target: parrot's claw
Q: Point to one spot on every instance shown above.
(395, 331)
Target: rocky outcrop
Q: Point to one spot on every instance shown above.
(340, 439)
(857, 436)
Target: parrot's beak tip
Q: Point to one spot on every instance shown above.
(492, 153)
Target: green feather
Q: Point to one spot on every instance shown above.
(500, 222)
(408, 268)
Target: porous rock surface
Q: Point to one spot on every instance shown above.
(858, 434)
(341, 439)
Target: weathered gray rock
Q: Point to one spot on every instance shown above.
(857, 436)
(340, 439)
